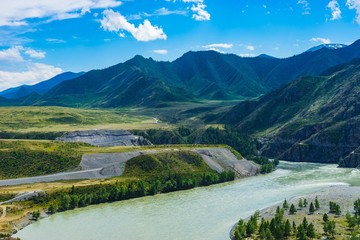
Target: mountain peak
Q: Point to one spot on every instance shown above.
(327, 46)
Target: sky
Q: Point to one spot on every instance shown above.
(42, 38)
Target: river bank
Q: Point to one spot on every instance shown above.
(344, 195)
(211, 210)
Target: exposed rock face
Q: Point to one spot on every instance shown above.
(105, 138)
(222, 159)
(334, 144)
(352, 160)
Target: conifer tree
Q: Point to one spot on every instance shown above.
(285, 204)
(292, 210)
(317, 204)
(311, 208)
(301, 204)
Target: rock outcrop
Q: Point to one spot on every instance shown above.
(105, 138)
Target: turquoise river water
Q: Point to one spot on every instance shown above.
(202, 213)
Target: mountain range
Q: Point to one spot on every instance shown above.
(311, 118)
(195, 76)
(39, 88)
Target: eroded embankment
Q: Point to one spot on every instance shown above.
(106, 165)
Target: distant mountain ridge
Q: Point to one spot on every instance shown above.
(39, 88)
(206, 75)
(328, 46)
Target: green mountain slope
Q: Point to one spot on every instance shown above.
(310, 119)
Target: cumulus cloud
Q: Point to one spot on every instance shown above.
(198, 8)
(320, 40)
(161, 51)
(354, 5)
(164, 12)
(15, 13)
(115, 22)
(217, 47)
(250, 48)
(335, 10)
(35, 54)
(305, 6)
(12, 54)
(33, 73)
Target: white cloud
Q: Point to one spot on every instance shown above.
(321, 40)
(219, 45)
(115, 22)
(164, 11)
(34, 73)
(305, 5)
(198, 8)
(216, 47)
(335, 10)
(246, 55)
(12, 54)
(250, 48)
(55, 40)
(15, 13)
(161, 51)
(35, 54)
(354, 5)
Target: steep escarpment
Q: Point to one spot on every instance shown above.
(314, 119)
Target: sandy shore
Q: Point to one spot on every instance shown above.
(343, 195)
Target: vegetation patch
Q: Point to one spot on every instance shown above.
(34, 158)
(166, 162)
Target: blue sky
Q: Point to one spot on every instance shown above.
(41, 38)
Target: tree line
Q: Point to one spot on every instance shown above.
(78, 197)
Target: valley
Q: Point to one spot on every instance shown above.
(145, 128)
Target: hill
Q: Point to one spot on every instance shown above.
(39, 88)
(310, 119)
(196, 76)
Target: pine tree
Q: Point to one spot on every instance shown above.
(351, 221)
(311, 209)
(268, 235)
(240, 230)
(329, 228)
(305, 202)
(317, 204)
(292, 210)
(310, 231)
(301, 204)
(305, 223)
(325, 217)
(357, 207)
(294, 227)
(337, 210)
(287, 228)
(301, 233)
(285, 204)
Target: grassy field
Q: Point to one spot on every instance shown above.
(60, 119)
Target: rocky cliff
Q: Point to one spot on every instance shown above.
(105, 138)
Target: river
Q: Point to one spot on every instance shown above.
(201, 213)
